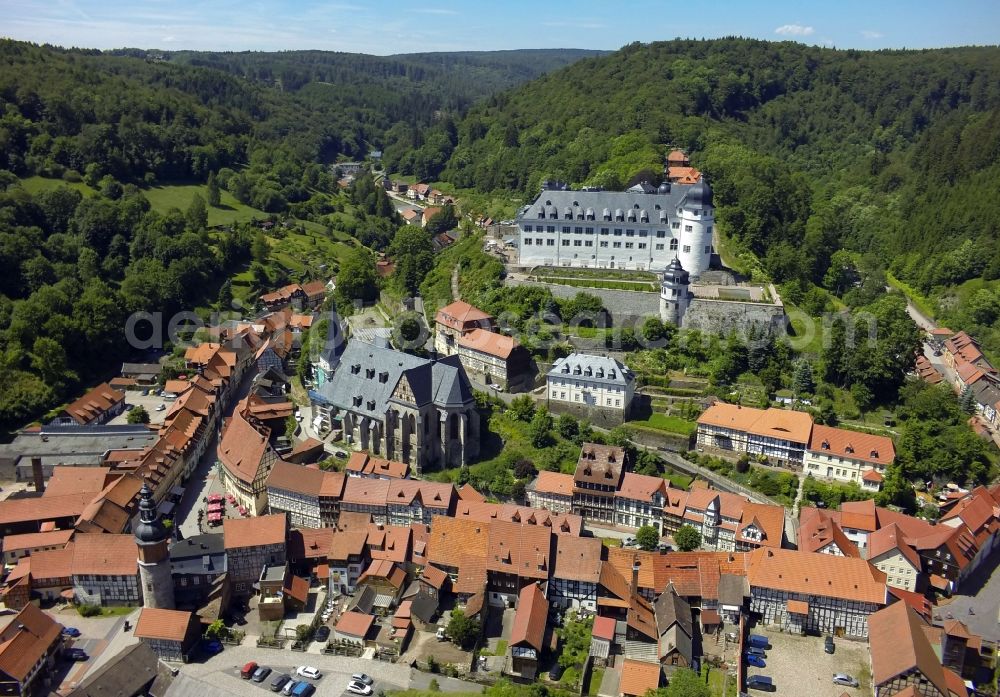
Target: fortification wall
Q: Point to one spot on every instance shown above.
(725, 316)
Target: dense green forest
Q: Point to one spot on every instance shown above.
(80, 257)
(833, 168)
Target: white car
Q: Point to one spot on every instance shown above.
(359, 688)
(309, 672)
(161, 407)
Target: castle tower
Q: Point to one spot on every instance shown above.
(697, 217)
(674, 293)
(154, 554)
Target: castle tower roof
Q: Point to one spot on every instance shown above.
(150, 528)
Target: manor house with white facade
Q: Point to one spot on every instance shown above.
(643, 228)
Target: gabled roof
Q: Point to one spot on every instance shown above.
(639, 677)
(641, 487)
(523, 550)
(553, 483)
(169, 625)
(309, 543)
(363, 463)
(76, 480)
(296, 478)
(98, 554)
(243, 446)
(529, 620)
(128, 672)
(434, 577)
(852, 444)
(826, 575)
(94, 403)
(600, 464)
(460, 315)
(35, 540)
(817, 531)
(770, 520)
(348, 543)
(490, 343)
(794, 426)
(355, 624)
(604, 628)
(859, 515)
(386, 570)
(25, 640)
(255, 532)
(890, 538)
(898, 645)
(467, 492)
(577, 558)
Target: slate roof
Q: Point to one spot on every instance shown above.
(601, 369)
(367, 375)
(653, 204)
(129, 672)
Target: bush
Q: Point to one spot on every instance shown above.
(89, 610)
(687, 538)
(434, 686)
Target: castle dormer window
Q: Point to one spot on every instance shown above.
(369, 373)
(383, 377)
(825, 445)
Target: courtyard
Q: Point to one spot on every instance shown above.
(799, 666)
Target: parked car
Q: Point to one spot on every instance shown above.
(755, 651)
(758, 640)
(304, 689)
(362, 678)
(845, 680)
(280, 681)
(260, 675)
(309, 672)
(212, 647)
(755, 661)
(760, 682)
(161, 407)
(440, 635)
(359, 688)
(289, 686)
(247, 672)
(828, 645)
(323, 633)
(71, 631)
(77, 655)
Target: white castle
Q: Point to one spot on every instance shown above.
(642, 229)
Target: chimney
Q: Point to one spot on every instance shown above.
(38, 473)
(634, 587)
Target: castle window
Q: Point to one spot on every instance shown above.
(688, 228)
(675, 225)
(527, 228)
(604, 244)
(673, 245)
(527, 241)
(708, 249)
(687, 249)
(659, 247)
(642, 245)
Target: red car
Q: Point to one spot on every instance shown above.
(248, 670)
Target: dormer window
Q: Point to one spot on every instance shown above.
(874, 454)
(825, 445)
(588, 372)
(369, 373)
(371, 405)
(357, 400)
(356, 368)
(383, 377)
(849, 448)
(576, 370)
(611, 375)
(600, 372)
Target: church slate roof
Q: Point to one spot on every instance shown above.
(363, 365)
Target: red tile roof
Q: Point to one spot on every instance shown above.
(355, 624)
(577, 558)
(295, 478)
(243, 446)
(490, 343)
(604, 628)
(816, 574)
(434, 577)
(255, 532)
(297, 587)
(461, 316)
(529, 620)
(891, 538)
(95, 403)
(24, 641)
(105, 555)
(788, 425)
(852, 444)
(171, 625)
(76, 480)
(898, 645)
(817, 530)
(554, 483)
(638, 677)
(467, 492)
(519, 549)
(35, 540)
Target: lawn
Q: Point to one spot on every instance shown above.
(163, 198)
(670, 424)
(719, 685)
(806, 335)
(678, 479)
(36, 185)
(596, 676)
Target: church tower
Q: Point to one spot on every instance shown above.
(697, 218)
(674, 293)
(154, 554)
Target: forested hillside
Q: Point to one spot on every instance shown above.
(80, 256)
(832, 167)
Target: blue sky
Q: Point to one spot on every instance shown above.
(382, 27)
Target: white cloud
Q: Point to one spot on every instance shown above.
(869, 34)
(794, 30)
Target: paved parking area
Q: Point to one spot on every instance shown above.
(799, 666)
(222, 673)
(134, 398)
(981, 592)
